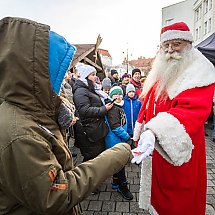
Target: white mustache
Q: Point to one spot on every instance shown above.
(174, 55)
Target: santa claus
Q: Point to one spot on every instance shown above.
(177, 95)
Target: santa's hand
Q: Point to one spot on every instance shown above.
(145, 147)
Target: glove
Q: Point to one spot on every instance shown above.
(145, 147)
(129, 141)
(137, 131)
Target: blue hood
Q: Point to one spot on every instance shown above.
(60, 56)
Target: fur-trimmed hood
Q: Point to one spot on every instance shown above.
(200, 73)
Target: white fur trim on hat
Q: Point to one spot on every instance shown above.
(176, 34)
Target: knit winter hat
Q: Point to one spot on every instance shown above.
(135, 70)
(113, 71)
(178, 30)
(106, 83)
(115, 91)
(126, 75)
(84, 70)
(129, 88)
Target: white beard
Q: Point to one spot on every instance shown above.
(166, 69)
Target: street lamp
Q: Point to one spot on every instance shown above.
(126, 58)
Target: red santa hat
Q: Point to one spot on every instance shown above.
(178, 30)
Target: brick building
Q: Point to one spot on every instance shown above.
(142, 63)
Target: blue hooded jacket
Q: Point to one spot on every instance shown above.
(131, 108)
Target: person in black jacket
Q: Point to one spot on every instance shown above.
(117, 122)
(114, 78)
(91, 129)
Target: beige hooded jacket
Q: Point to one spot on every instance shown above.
(37, 175)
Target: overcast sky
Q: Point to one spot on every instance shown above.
(132, 24)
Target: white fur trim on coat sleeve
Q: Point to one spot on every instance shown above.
(172, 138)
(138, 128)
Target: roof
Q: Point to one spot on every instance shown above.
(207, 47)
(104, 52)
(88, 53)
(82, 51)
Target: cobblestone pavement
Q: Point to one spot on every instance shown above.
(109, 202)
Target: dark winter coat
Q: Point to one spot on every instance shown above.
(37, 175)
(72, 82)
(117, 124)
(131, 108)
(91, 110)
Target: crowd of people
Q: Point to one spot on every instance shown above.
(159, 124)
(102, 107)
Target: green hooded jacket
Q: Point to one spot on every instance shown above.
(37, 175)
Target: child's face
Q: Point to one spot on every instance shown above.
(125, 80)
(131, 94)
(118, 97)
(106, 90)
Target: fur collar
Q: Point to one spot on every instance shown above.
(200, 73)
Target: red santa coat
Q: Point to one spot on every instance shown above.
(177, 174)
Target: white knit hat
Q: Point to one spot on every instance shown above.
(178, 30)
(84, 70)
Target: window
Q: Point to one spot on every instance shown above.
(206, 6)
(209, 25)
(197, 34)
(198, 13)
(205, 27)
(168, 21)
(210, 4)
(200, 31)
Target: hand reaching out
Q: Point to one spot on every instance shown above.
(145, 147)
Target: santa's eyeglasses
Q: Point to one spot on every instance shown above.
(173, 45)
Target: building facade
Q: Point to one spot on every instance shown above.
(204, 19)
(105, 57)
(181, 11)
(198, 14)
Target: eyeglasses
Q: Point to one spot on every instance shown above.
(173, 45)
